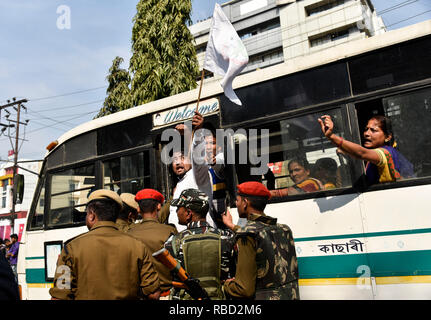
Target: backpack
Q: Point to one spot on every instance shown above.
(202, 260)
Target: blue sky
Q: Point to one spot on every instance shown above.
(38, 60)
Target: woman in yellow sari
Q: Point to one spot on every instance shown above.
(384, 163)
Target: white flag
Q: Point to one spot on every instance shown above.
(225, 53)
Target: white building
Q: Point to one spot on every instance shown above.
(275, 31)
(9, 224)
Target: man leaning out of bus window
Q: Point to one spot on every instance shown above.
(182, 165)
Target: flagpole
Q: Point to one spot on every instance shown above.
(200, 88)
(197, 107)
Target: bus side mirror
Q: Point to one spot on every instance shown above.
(18, 188)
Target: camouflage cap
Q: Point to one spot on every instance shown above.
(192, 199)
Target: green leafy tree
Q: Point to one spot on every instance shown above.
(163, 59)
(118, 93)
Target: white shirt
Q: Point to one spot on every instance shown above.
(188, 181)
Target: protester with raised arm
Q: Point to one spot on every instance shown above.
(384, 163)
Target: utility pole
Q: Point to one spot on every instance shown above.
(15, 158)
(15, 149)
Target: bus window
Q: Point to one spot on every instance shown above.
(69, 192)
(410, 115)
(128, 173)
(37, 217)
(300, 158)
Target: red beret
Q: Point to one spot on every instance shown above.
(253, 188)
(150, 194)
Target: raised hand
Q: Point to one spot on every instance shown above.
(327, 125)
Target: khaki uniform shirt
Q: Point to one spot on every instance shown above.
(244, 284)
(104, 264)
(124, 226)
(154, 234)
(164, 212)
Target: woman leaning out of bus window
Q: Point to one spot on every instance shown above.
(384, 162)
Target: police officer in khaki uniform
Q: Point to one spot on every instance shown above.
(267, 267)
(104, 263)
(128, 215)
(153, 233)
(163, 215)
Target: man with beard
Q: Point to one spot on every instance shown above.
(181, 166)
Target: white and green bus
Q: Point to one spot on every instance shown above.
(354, 241)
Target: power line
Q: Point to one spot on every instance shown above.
(51, 126)
(397, 6)
(79, 116)
(66, 94)
(48, 118)
(65, 122)
(417, 15)
(72, 106)
(62, 116)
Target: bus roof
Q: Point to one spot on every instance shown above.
(212, 88)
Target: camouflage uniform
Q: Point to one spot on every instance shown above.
(200, 227)
(198, 201)
(192, 199)
(267, 266)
